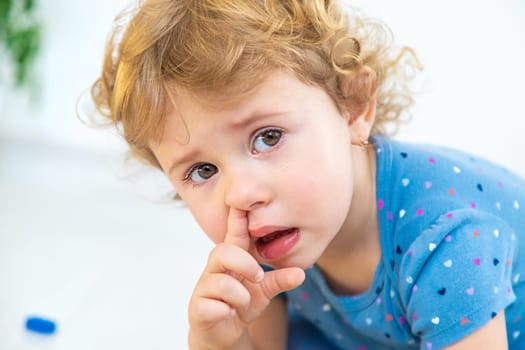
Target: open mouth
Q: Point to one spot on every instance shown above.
(277, 244)
(273, 236)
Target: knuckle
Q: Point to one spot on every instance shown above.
(199, 310)
(220, 249)
(218, 254)
(224, 286)
(269, 286)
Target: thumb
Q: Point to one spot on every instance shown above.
(281, 280)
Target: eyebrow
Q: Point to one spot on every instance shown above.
(242, 122)
(184, 159)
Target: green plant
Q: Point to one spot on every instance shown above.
(20, 34)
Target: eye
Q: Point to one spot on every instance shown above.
(200, 173)
(266, 140)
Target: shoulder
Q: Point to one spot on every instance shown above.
(401, 152)
(418, 186)
(443, 165)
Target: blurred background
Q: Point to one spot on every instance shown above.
(92, 240)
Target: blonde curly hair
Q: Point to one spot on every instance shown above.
(224, 47)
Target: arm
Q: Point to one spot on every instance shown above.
(492, 336)
(464, 280)
(274, 321)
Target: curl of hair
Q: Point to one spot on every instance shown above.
(223, 47)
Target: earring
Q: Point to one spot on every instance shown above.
(363, 143)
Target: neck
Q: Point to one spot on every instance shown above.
(356, 247)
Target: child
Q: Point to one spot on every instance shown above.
(270, 119)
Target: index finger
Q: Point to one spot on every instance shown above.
(237, 231)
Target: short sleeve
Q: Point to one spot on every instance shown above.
(456, 276)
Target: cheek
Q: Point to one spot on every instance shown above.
(323, 182)
(213, 224)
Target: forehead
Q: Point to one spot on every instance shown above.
(277, 90)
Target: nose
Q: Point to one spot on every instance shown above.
(246, 188)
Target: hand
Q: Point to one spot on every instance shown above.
(233, 291)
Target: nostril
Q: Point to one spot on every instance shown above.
(245, 200)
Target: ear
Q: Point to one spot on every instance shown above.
(359, 93)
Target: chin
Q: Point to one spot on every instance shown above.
(289, 262)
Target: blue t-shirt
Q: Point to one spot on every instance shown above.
(451, 226)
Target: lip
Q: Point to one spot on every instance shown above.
(278, 246)
(266, 230)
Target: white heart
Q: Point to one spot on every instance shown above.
(326, 307)
(405, 182)
(431, 246)
(435, 320)
(456, 170)
(516, 334)
(402, 213)
(516, 278)
(409, 279)
(516, 205)
(496, 290)
(496, 233)
(368, 321)
(448, 263)
(498, 205)
(392, 294)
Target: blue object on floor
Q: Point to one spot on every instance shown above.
(40, 325)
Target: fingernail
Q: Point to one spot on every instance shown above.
(260, 276)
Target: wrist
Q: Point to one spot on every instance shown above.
(243, 343)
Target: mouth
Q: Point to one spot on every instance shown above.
(273, 236)
(277, 244)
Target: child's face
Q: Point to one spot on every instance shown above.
(282, 154)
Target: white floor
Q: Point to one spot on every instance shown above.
(82, 243)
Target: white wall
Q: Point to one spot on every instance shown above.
(471, 93)
(74, 34)
(85, 242)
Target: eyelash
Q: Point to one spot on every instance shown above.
(187, 175)
(260, 132)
